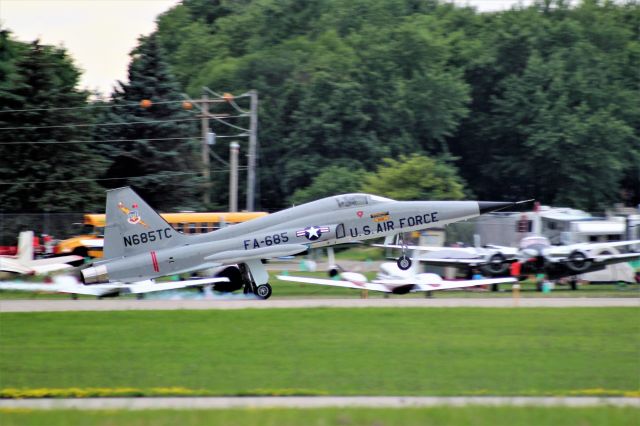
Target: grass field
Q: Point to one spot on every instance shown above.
(578, 351)
(472, 416)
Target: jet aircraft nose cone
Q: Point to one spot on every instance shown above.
(491, 206)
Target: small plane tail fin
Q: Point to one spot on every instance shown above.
(132, 226)
(25, 247)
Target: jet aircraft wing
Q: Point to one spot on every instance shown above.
(67, 284)
(239, 256)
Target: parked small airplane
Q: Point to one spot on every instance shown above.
(392, 279)
(535, 255)
(24, 263)
(140, 246)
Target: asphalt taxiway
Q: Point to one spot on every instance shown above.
(203, 304)
(309, 402)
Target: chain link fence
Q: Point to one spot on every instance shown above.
(59, 225)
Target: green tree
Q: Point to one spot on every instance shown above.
(554, 111)
(338, 82)
(332, 180)
(415, 177)
(159, 158)
(42, 107)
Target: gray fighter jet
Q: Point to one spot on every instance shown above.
(139, 245)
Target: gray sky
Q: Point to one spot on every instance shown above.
(99, 34)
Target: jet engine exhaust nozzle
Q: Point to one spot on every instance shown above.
(95, 275)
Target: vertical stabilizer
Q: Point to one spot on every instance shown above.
(25, 247)
(133, 227)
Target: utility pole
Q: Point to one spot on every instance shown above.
(253, 142)
(209, 138)
(234, 150)
(206, 173)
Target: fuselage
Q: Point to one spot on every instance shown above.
(333, 220)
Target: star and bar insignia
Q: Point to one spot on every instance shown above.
(312, 233)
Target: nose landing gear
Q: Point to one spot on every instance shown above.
(404, 262)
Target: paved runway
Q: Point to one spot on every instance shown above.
(311, 402)
(129, 304)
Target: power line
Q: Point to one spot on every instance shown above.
(168, 174)
(88, 107)
(97, 141)
(239, 135)
(98, 124)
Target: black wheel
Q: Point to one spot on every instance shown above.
(264, 291)
(404, 262)
(83, 253)
(573, 284)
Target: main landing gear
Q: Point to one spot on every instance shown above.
(404, 261)
(252, 271)
(264, 291)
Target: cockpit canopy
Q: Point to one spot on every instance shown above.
(535, 240)
(359, 200)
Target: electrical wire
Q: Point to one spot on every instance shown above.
(169, 174)
(239, 135)
(97, 141)
(87, 107)
(231, 101)
(99, 124)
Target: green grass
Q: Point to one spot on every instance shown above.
(472, 416)
(328, 351)
(528, 289)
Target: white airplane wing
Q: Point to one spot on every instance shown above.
(455, 252)
(565, 250)
(12, 265)
(69, 285)
(438, 284)
(55, 260)
(77, 288)
(399, 286)
(335, 283)
(149, 285)
(609, 259)
(52, 267)
(447, 285)
(426, 248)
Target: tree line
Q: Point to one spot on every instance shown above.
(404, 98)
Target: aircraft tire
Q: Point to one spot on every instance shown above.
(264, 291)
(404, 262)
(573, 285)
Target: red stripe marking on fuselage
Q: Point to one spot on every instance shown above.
(154, 259)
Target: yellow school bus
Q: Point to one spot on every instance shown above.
(90, 241)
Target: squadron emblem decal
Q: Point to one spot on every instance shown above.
(312, 233)
(133, 216)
